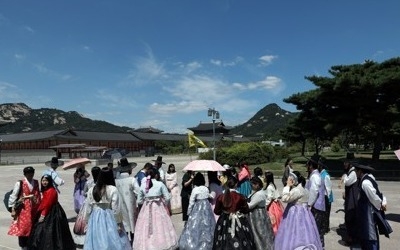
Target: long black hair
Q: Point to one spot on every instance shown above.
(269, 178)
(49, 185)
(106, 177)
(230, 183)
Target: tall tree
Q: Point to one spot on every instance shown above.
(363, 99)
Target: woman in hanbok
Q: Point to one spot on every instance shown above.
(80, 226)
(154, 229)
(105, 229)
(273, 203)
(215, 187)
(232, 230)
(199, 229)
(244, 175)
(298, 229)
(258, 218)
(51, 230)
(80, 178)
(174, 189)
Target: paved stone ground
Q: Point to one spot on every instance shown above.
(10, 174)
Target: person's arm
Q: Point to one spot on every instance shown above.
(187, 180)
(289, 196)
(115, 202)
(370, 191)
(192, 200)
(49, 200)
(56, 179)
(242, 174)
(350, 178)
(270, 195)
(328, 184)
(136, 187)
(256, 199)
(14, 195)
(165, 193)
(315, 184)
(218, 205)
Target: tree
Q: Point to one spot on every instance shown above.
(361, 99)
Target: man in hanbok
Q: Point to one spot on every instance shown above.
(370, 200)
(128, 189)
(316, 199)
(326, 179)
(54, 163)
(351, 191)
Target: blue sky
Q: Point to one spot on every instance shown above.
(164, 63)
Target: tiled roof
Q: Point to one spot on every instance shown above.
(30, 136)
(101, 136)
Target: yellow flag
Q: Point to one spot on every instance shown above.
(193, 140)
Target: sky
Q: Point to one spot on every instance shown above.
(164, 63)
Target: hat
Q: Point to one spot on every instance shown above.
(364, 167)
(29, 169)
(226, 166)
(54, 162)
(125, 166)
(159, 160)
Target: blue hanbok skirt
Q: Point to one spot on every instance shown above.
(199, 229)
(102, 232)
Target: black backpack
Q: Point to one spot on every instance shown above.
(7, 196)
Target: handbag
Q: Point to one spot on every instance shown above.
(383, 225)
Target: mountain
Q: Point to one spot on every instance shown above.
(18, 117)
(266, 121)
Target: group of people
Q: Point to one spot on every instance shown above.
(362, 198)
(41, 222)
(236, 210)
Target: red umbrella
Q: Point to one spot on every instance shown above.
(204, 165)
(75, 162)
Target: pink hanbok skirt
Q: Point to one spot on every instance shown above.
(275, 212)
(154, 228)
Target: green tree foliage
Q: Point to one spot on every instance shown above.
(252, 153)
(361, 99)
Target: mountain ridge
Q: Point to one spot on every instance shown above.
(19, 118)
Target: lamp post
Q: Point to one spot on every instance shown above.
(215, 115)
(1, 141)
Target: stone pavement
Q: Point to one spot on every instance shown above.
(10, 174)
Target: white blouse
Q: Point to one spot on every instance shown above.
(198, 193)
(272, 194)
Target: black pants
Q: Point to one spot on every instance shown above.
(185, 206)
(23, 241)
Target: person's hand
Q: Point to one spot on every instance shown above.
(41, 218)
(383, 207)
(13, 213)
(289, 182)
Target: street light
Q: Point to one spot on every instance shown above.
(1, 140)
(215, 115)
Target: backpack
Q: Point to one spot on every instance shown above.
(7, 196)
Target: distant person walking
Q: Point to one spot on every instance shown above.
(53, 164)
(171, 181)
(288, 168)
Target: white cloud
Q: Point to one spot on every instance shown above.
(9, 92)
(29, 29)
(19, 57)
(146, 70)
(267, 59)
(272, 83)
(232, 63)
(41, 68)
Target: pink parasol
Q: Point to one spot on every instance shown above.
(204, 165)
(397, 153)
(75, 162)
